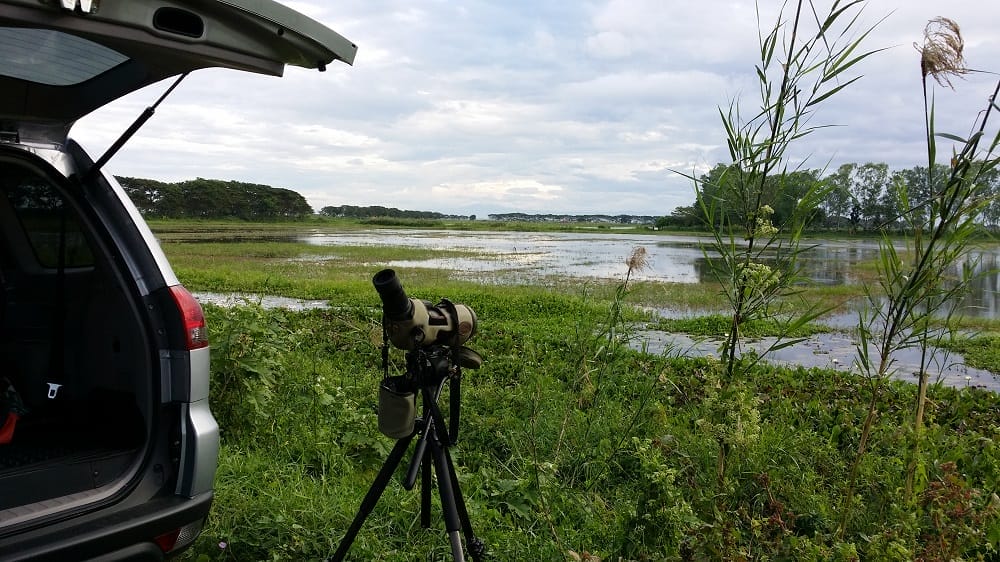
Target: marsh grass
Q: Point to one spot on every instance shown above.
(255, 249)
(249, 265)
(980, 351)
(716, 326)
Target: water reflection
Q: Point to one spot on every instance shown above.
(514, 257)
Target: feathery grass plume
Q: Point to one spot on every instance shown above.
(941, 55)
(638, 260)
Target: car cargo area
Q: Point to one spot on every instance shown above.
(72, 350)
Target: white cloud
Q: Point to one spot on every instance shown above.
(609, 45)
(519, 193)
(365, 163)
(679, 33)
(542, 106)
(318, 136)
(485, 117)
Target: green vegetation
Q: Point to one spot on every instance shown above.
(551, 460)
(717, 325)
(917, 302)
(756, 205)
(981, 352)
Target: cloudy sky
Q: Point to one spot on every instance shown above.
(536, 106)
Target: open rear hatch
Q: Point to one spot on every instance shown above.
(61, 60)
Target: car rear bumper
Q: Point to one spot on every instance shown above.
(110, 534)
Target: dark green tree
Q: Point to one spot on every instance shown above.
(214, 199)
(991, 213)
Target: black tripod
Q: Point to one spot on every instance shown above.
(429, 369)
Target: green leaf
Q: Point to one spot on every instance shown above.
(955, 138)
(785, 343)
(834, 15)
(833, 91)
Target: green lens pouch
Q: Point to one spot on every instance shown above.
(397, 408)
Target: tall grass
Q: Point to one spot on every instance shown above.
(800, 67)
(916, 304)
(804, 60)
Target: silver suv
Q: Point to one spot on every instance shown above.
(107, 446)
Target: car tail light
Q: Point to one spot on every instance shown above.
(195, 332)
(166, 541)
(179, 538)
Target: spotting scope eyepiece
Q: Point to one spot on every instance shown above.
(396, 306)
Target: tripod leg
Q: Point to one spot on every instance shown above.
(419, 453)
(446, 489)
(426, 483)
(446, 471)
(371, 498)
(421, 462)
(455, 408)
(476, 546)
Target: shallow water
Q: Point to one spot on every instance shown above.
(266, 301)
(835, 350)
(516, 257)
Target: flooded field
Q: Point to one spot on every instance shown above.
(515, 257)
(508, 257)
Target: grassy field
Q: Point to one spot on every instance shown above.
(572, 443)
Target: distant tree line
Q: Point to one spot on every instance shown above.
(865, 197)
(214, 199)
(619, 219)
(375, 211)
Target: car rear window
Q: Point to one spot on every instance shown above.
(52, 57)
(50, 226)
